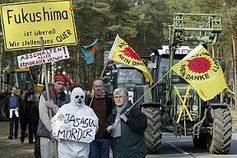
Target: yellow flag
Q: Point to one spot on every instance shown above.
(202, 72)
(121, 52)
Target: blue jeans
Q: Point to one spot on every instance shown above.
(99, 148)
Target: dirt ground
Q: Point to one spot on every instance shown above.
(13, 148)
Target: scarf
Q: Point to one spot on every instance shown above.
(117, 129)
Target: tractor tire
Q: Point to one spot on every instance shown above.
(153, 132)
(222, 131)
(4, 110)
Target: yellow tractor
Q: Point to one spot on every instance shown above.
(22, 79)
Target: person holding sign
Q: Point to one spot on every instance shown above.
(47, 108)
(74, 126)
(102, 106)
(127, 130)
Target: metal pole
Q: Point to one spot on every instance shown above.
(1, 65)
(235, 72)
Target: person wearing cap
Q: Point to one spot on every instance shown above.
(47, 108)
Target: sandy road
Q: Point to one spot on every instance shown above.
(13, 148)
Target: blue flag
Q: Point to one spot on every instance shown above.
(89, 52)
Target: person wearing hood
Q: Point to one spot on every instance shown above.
(47, 108)
(127, 130)
(74, 126)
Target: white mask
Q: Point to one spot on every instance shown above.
(78, 97)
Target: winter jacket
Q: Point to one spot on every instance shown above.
(131, 144)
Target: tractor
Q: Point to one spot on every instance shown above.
(208, 122)
(20, 78)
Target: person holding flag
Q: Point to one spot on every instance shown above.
(126, 129)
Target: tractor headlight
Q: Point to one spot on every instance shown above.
(195, 108)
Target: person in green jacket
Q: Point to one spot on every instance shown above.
(127, 130)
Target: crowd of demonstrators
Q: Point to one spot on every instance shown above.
(62, 119)
(128, 132)
(14, 103)
(47, 108)
(70, 126)
(102, 106)
(28, 115)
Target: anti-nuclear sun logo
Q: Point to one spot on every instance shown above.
(199, 65)
(131, 53)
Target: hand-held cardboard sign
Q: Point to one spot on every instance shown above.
(43, 57)
(74, 125)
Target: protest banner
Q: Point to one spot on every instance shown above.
(43, 57)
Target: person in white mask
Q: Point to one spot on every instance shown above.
(74, 126)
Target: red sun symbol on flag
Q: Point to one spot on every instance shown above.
(199, 65)
(131, 53)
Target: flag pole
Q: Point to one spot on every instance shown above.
(45, 70)
(117, 121)
(102, 73)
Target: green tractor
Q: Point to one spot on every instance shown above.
(209, 123)
(120, 75)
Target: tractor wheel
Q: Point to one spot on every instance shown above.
(3, 109)
(201, 141)
(222, 131)
(153, 133)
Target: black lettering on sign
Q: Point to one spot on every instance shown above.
(75, 134)
(45, 14)
(81, 121)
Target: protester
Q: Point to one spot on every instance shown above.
(102, 106)
(34, 112)
(127, 130)
(26, 116)
(75, 126)
(47, 108)
(14, 103)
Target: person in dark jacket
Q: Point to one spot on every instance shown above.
(14, 103)
(29, 116)
(127, 130)
(102, 106)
